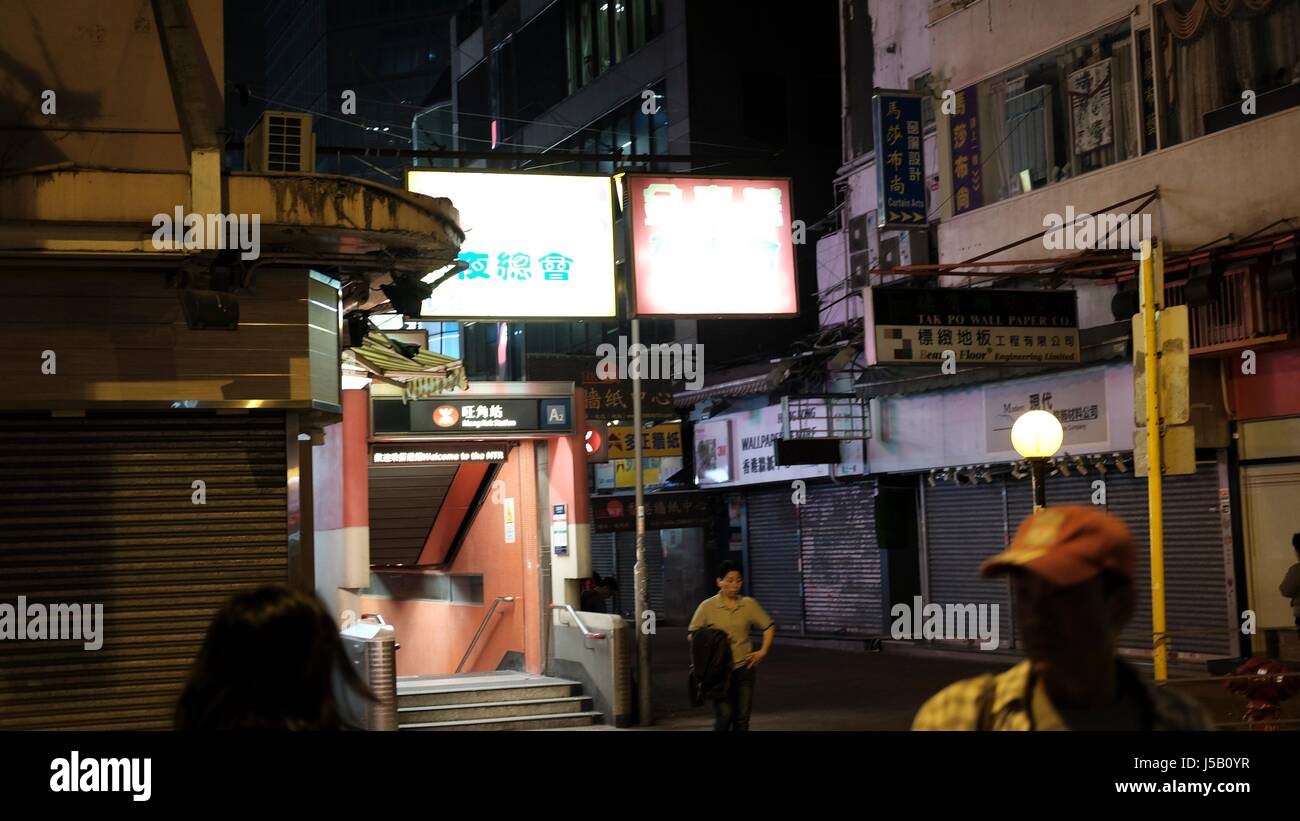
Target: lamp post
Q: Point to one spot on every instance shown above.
(1037, 435)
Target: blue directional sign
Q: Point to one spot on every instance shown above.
(900, 163)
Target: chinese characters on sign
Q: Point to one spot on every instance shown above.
(967, 178)
(900, 166)
(712, 247)
(523, 258)
(661, 440)
(667, 510)
(979, 325)
(1076, 398)
(604, 399)
(455, 414)
(519, 267)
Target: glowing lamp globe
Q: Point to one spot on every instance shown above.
(1037, 434)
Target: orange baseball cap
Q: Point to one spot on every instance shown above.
(1067, 545)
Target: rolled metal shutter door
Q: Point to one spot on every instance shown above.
(99, 510)
(1197, 606)
(774, 569)
(602, 559)
(964, 525)
(625, 549)
(841, 560)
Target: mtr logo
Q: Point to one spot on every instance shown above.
(444, 416)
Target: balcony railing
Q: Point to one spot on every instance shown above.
(1242, 315)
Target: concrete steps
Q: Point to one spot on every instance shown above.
(491, 701)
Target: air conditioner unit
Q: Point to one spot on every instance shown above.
(281, 141)
(904, 248)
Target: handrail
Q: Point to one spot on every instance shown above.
(581, 626)
(482, 625)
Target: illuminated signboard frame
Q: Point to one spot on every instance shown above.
(536, 204)
(391, 418)
(637, 234)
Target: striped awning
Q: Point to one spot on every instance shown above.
(419, 376)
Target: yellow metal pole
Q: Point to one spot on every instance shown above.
(1152, 299)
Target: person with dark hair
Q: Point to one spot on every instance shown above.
(735, 615)
(599, 592)
(270, 662)
(1072, 571)
(1290, 586)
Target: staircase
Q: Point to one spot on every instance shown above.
(502, 700)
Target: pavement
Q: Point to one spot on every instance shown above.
(820, 688)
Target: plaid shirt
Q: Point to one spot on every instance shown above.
(1002, 702)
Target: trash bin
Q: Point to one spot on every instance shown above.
(371, 649)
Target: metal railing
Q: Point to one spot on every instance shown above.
(1242, 313)
(481, 626)
(577, 620)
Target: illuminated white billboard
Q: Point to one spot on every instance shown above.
(712, 247)
(537, 246)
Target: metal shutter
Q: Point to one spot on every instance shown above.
(774, 571)
(625, 558)
(99, 510)
(602, 561)
(1196, 592)
(841, 560)
(964, 525)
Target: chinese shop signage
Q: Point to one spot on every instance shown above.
(660, 440)
(900, 168)
(964, 134)
(467, 415)
(536, 245)
(712, 247)
(740, 449)
(908, 326)
(605, 399)
(1076, 398)
(616, 514)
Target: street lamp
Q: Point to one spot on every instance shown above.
(1037, 435)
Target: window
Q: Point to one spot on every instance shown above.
(604, 32)
(1208, 61)
(626, 128)
(921, 85)
(456, 588)
(1060, 115)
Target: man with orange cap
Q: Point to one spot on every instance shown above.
(1072, 574)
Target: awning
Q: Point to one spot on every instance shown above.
(420, 373)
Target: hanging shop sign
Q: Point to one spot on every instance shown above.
(621, 473)
(606, 399)
(537, 246)
(964, 137)
(984, 326)
(617, 514)
(749, 453)
(660, 440)
(900, 167)
(711, 247)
